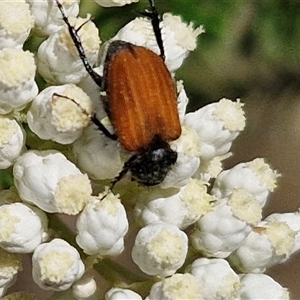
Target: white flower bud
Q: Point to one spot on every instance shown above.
(269, 243)
(12, 140)
(60, 119)
(182, 100)
(47, 17)
(180, 208)
(217, 279)
(56, 265)
(110, 3)
(97, 155)
(255, 176)
(51, 182)
(217, 125)
(21, 228)
(178, 37)
(121, 294)
(261, 286)
(224, 229)
(211, 168)
(58, 59)
(136, 32)
(15, 23)
(11, 264)
(178, 286)
(187, 147)
(160, 249)
(84, 288)
(102, 226)
(293, 221)
(17, 85)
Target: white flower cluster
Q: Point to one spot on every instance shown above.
(61, 165)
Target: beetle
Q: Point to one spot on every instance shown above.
(140, 98)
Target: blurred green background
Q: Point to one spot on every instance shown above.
(248, 45)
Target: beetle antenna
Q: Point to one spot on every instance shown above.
(77, 42)
(74, 101)
(153, 14)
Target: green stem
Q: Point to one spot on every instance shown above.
(116, 273)
(121, 277)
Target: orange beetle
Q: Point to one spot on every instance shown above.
(141, 102)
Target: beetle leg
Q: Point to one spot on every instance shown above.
(77, 42)
(92, 117)
(119, 177)
(124, 171)
(102, 128)
(153, 14)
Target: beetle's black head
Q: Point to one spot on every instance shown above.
(151, 165)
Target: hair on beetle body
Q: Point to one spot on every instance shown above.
(140, 98)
